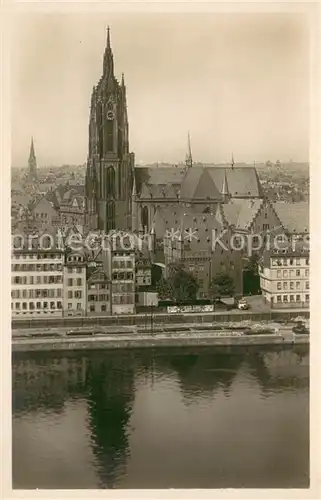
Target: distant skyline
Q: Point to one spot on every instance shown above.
(238, 82)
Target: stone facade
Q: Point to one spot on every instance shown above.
(110, 165)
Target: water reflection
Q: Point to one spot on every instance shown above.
(114, 403)
(110, 386)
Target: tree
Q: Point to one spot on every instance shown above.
(181, 286)
(164, 289)
(222, 285)
(184, 284)
(252, 264)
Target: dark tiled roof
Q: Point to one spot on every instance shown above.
(241, 212)
(293, 216)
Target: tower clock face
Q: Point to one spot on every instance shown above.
(110, 109)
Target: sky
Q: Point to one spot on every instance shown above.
(238, 82)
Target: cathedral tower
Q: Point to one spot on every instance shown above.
(110, 165)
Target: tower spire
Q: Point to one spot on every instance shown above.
(108, 57)
(189, 158)
(232, 161)
(32, 163)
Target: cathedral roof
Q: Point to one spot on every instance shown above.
(199, 182)
(241, 212)
(157, 175)
(294, 217)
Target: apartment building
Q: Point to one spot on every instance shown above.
(37, 278)
(284, 278)
(98, 293)
(75, 286)
(119, 265)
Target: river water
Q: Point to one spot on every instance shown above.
(175, 418)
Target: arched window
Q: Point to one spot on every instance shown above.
(99, 118)
(110, 215)
(145, 222)
(111, 181)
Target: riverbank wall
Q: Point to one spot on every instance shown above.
(158, 319)
(151, 341)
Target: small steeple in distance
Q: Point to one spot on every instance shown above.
(225, 191)
(232, 161)
(32, 163)
(189, 159)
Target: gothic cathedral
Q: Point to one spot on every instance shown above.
(110, 165)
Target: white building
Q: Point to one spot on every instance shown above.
(284, 279)
(37, 280)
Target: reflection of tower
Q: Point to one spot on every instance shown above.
(110, 165)
(32, 164)
(111, 393)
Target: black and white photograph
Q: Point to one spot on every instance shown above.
(160, 257)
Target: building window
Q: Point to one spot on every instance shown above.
(92, 308)
(38, 305)
(291, 262)
(307, 262)
(79, 306)
(278, 273)
(70, 282)
(18, 305)
(307, 272)
(78, 294)
(285, 298)
(79, 281)
(103, 308)
(266, 226)
(79, 270)
(291, 285)
(52, 305)
(24, 305)
(59, 305)
(279, 298)
(58, 292)
(24, 294)
(285, 262)
(307, 298)
(298, 298)
(298, 272)
(285, 285)
(298, 262)
(70, 295)
(91, 298)
(45, 305)
(69, 270)
(291, 298)
(279, 285)
(307, 285)
(69, 305)
(285, 273)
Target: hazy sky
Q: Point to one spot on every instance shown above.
(238, 82)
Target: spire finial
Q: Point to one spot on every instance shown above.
(108, 37)
(122, 80)
(232, 161)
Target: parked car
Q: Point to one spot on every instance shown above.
(242, 305)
